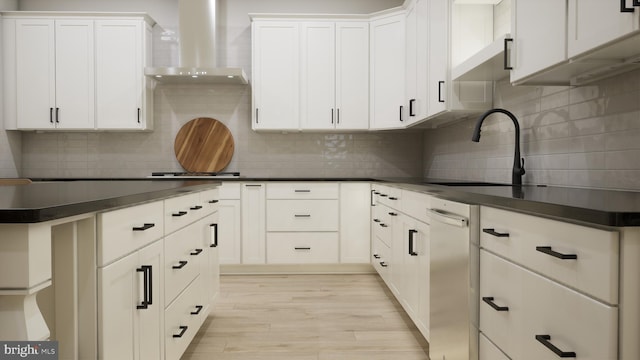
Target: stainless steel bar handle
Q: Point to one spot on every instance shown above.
(449, 218)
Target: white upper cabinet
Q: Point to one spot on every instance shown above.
(388, 72)
(123, 93)
(577, 43)
(593, 23)
(310, 74)
(276, 79)
(54, 74)
(536, 47)
(72, 72)
(450, 99)
(318, 75)
(352, 75)
(335, 75)
(416, 60)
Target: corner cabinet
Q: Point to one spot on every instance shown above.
(76, 72)
(387, 71)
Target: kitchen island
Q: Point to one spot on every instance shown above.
(61, 240)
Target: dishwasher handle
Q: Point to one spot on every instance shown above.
(449, 218)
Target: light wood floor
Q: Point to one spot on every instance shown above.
(314, 317)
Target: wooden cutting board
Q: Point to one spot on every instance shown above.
(204, 145)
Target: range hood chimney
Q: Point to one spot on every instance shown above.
(197, 42)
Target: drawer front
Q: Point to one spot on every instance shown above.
(123, 231)
(210, 201)
(572, 321)
(415, 204)
(181, 322)
(230, 190)
(183, 252)
(500, 286)
(181, 211)
(387, 195)
(533, 241)
(488, 351)
(302, 248)
(381, 225)
(380, 258)
(303, 190)
(302, 215)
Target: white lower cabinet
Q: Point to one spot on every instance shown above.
(130, 306)
(253, 223)
(400, 250)
(155, 292)
(301, 222)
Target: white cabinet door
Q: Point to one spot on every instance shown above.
(149, 327)
(75, 84)
(317, 95)
(536, 47)
(355, 231)
(253, 223)
(119, 74)
(130, 306)
(35, 73)
(438, 11)
(352, 75)
(54, 74)
(387, 72)
(417, 23)
(276, 80)
(229, 232)
(593, 23)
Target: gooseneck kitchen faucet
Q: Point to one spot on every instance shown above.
(518, 163)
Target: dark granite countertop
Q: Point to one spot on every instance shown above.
(50, 200)
(599, 207)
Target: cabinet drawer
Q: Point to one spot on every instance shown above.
(210, 201)
(302, 215)
(500, 285)
(380, 258)
(183, 252)
(387, 195)
(181, 211)
(181, 321)
(302, 190)
(381, 223)
(572, 321)
(415, 204)
(302, 248)
(123, 231)
(488, 351)
(525, 237)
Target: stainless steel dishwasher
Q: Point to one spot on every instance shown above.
(454, 272)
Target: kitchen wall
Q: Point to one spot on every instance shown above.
(10, 142)
(256, 154)
(587, 136)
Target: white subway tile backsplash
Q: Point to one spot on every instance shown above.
(587, 136)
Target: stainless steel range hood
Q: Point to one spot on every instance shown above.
(197, 43)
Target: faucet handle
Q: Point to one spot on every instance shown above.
(522, 171)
